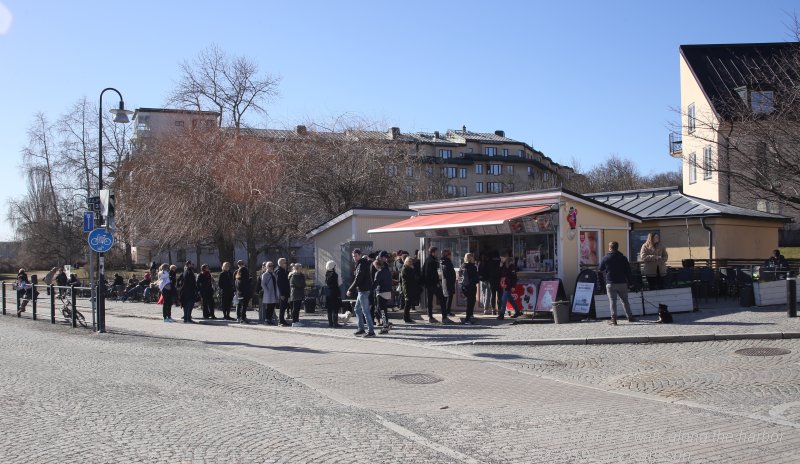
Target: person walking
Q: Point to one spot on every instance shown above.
(333, 297)
(49, 277)
(382, 286)
(654, 256)
(205, 284)
(166, 287)
(361, 285)
(284, 289)
(188, 292)
(244, 291)
(508, 280)
(297, 292)
(433, 285)
(24, 291)
(469, 285)
(617, 271)
(449, 278)
(409, 289)
(269, 291)
(227, 288)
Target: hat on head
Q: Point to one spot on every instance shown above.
(330, 265)
(384, 254)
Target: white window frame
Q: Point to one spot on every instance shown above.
(692, 168)
(691, 115)
(445, 154)
(410, 171)
(478, 168)
(478, 187)
(462, 190)
(462, 173)
(494, 187)
(495, 169)
(490, 151)
(510, 169)
(449, 172)
(707, 162)
(504, 152)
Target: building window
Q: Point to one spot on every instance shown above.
(478, 169)
(450, 190)
(478, 187)
(445, 154)
(530, 171)
(504, 152)
(692, 168)
(391, 170)
(510, 187)
(509, 169)
(428, 171)
(692, 119)
(707, 162)
(410, 171)
(545, 176)
(462, 173)
(494, 187)
(178, 123)
(494, 169)
(762, 101)
(462, 190)
(491, 151)
(449, 172)
(521, 153)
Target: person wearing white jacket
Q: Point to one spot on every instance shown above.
(269, 287)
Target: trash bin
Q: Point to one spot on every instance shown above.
(561, 311)
(310, 305)
(746, 296)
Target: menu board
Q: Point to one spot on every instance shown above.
(584, 292)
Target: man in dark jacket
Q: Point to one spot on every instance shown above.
(188, 292)
(433, 284)
(617, 272)
(362, 284)
(244, 290)
(227, 289)
(282, 280)
(449, 276)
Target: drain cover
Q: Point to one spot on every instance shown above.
(417, 379)
(762, 351)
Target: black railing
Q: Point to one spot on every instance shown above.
(675, 144)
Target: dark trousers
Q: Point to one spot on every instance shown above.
(448, 302)
(284, 306)
(267, 312)
(332, 305)
(429, 293)
(226, 303)
(383, 310)
(187, 310)
(408, 305)
(296, 305)
(655, 282)
(470, 294)
(208, 305)
(495, 293)
(166, 304)
(241, 308)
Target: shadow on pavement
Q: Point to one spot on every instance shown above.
(293, 349)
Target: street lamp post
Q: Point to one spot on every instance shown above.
(120, 116)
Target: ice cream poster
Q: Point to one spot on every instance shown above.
(525, 295)
(548, 291)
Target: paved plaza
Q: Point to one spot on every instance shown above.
(216, 392)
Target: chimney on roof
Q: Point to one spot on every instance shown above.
(464, 129)
(395, 132)
(436, 134)
(500, 133)
(301, 130)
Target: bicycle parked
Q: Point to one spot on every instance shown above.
(66, 310)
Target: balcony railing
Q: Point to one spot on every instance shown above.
(675, 144)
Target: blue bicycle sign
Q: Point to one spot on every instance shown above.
(100, 240)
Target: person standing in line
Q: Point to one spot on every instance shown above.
(284, 289)
(449, 278)
(397, 268)
(508, 280)
(205, 284)
(227, 289)
(382, 286)
(188, 292)
(409, 288)
(433, 285)
(654, 257)
(333, 297)
(166, 287)
(244, 291)
(617, 271)
(493, 270)
(469, 286)
(483, 276)
(361, 285)
(269, 290)
(297, 293)
(49, 277)
(173, 279)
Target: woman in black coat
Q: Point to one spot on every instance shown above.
(469, 285)
(410, 288)
(225, 284)
(333, 298)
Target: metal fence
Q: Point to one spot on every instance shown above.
(68, 304)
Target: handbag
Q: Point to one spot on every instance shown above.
(385, 295)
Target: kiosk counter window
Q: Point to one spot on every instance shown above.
(536, 252)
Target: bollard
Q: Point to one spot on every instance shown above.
(19, 314)
(74, 311)
(4, 297)
(33, 302)
(52, 304)
(791, 297)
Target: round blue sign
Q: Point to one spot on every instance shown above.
(100, 240)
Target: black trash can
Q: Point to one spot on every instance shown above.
(687, 263)
(310, 305)
(746, 296)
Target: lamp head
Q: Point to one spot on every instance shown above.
(121, 114)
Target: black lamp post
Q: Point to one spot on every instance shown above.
(120, 116)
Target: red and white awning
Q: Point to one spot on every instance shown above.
(486, 217)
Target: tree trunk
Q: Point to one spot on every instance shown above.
(225, 250)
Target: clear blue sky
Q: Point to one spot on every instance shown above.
(579, 80)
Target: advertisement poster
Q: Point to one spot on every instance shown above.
(525, 294)
(584, 292)
(588, 250)
(548, 291)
